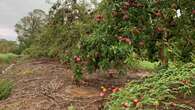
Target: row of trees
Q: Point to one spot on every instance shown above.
(8, 46)
(53, 34)
(107, 36)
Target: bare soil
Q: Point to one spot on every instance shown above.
(48, 85)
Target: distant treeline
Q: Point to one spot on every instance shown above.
(8, 46)
(53, 34)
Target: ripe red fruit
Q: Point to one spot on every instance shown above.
(193, 12)
(125, 105)
(102, 94)
(158, 13)
(159, 30)
(135, 101)
(77, 59)
(114, 90)
(184, 81)
(173, 104)
(126, 17)
(99, 18)
(128, 41)
(124, 39)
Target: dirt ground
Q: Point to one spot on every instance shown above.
(48, 85)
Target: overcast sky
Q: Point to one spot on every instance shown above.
(11, 11)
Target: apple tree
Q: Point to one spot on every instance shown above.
(158, 30)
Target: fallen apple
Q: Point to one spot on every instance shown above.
(115, 89)
(135, 102)
(193, 12)
(77, 59)
(125, 105)
(102, 94)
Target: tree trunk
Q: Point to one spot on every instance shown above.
(163, 57)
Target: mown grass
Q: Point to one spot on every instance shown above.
(5, 89)
(7, 57)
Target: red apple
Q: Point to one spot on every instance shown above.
(124, 39)
(125, 105)
(184, 81)
(114, 90)
(127, 40)
(158, 13)
(102, 94)
(159, 30)
(173, 104)
(99, 18)
(193, 11)
(135, 101)
(125, 17)
(77, 59)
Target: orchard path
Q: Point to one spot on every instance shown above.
(47, 85)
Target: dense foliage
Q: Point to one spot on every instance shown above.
(53, 35)
(7, 58)
(29, 27)
(112, 34)
(5, 89)
(158, 91)
(154, 30)
(117, 34)
(8, 46)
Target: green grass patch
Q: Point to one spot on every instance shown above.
(157, 91)
(5, 89)
(146, 65)
(7, 57)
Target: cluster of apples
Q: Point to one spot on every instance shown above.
(132, 3)
(125, 7)
(132, 102)
(105, 90)
(127, 105)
